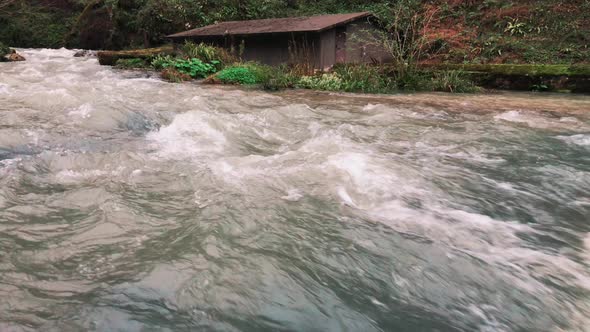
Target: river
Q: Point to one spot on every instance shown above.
(132, 204)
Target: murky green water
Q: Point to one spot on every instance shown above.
(130, 204)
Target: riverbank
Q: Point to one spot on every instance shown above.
(216, 66)
(492, 31)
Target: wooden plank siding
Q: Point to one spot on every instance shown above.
(327, 49)
(351, 42)
(362, 45)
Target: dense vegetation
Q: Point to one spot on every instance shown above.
(470, 31)
(197, 61)
(475, 31)
(4, 50)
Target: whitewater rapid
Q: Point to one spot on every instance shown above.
(129, 203)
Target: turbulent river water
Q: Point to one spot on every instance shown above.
(132, 204)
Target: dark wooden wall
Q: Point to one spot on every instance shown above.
(362, 44)
(327, 49)
(356, 42)
(271, 49)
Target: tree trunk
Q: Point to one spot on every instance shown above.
(82, 16)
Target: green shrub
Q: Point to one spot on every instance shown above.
(241, 74)
(4, 50)
(131, 63)
(452, 81)
(351, 78)
(195, 68)
(327, 81)
(279, 78)
(364, 78)
(540, 87)
(270, 78)
(207, 53)
(414, 80)
(252, 73)
(160, 62)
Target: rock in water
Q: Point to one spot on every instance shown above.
(80, 54)
(84, 53)
(12, 57)
(8, 54)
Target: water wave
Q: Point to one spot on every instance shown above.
(129, 203)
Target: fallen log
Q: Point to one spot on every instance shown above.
(109, 58)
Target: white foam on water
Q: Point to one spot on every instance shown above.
(489, 323)
(514, 116)
(371, 107)
(363, 182)
(367, 179)
(84, 111)
(580, 139)
(30, 72)
(293, 195)
(570, 119)
(74, 176)
(495, 242)
(505, 186)
(190, 135)
(355, 164)
(6, 163)
(537, 120)
(43, 53)
(379, 192)
(455, 152)
(70, 176)
(345, 197)
(314, 127)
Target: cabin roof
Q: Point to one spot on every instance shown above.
(273, 25)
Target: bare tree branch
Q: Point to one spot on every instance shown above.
(5, 3)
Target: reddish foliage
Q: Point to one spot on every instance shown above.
(515, 12)
(565, 8)
(61, 4)
(173, 75)
(456, 36)
(506, 58)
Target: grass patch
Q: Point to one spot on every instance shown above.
(326, 81)
(524, 70)
(364, 78)
(452, 81)
(132, 63)
(207, 53)
(351, 78)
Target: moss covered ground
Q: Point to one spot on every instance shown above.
(520, 69)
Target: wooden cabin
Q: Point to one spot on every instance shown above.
(320, 41)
